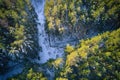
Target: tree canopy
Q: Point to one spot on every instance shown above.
(96, 58)
(67, 13)
(18, 31)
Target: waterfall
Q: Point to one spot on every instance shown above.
(47, 52)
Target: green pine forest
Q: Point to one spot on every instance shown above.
(95, 57)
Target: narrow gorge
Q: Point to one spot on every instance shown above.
(47, 51)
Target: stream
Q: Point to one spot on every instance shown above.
(47, 52)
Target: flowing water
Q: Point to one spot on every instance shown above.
(47, 52)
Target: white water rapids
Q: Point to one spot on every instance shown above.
(47, 52)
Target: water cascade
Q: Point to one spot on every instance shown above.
(47, 52)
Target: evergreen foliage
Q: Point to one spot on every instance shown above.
(94, 59)
(17, 21)
(18, 31)
(71, 13)
(30, 75)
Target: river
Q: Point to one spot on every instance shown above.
(47, 52)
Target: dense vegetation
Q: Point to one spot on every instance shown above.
(30, 75)
(76, 16)
(18, 32)
(97, 58)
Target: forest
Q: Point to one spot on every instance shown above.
(88, 32)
